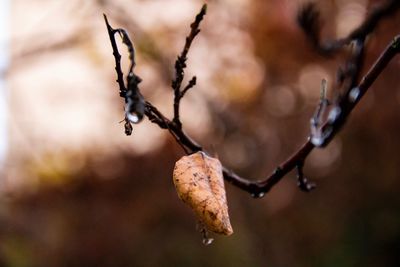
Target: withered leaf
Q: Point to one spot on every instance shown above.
(199, 183)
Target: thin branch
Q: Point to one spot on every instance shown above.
(347, 79)
(309, 20)
(316, 120)
(369, 24)
(131, 49)
(259, 188)
(134, 101)
(302, 181)
(117, 57)
(180, 65)
(190, 85)
(339, 113)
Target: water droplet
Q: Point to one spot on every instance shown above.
(354, 94)
(207, 241)
(133, 112)
(258, 195)
(317, 141)
(334, 114)
(133, 117)
(310, 187)
(204, 233)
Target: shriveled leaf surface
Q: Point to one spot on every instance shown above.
(199, 183)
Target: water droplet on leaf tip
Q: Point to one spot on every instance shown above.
(207, 241)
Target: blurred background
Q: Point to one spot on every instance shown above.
(75, 191)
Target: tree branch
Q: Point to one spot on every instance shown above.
(336, 118)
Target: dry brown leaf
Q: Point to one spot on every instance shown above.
(199, 183)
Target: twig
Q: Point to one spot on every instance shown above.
(190, 84)
(134, 101)
(346, 104)
(369, 24)
(302, 181)
(309, 20)
(131, 49)
(117, 57)
(180, 65)
(316, 120)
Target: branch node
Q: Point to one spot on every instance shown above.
(256, 191)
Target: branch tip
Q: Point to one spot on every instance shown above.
(204, 9)
(302, 181)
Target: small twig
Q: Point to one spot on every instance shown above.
(348, 79)
(309, 20)
(339, 113)
(316, 120)
(134, 101)
(134, 108)
(355, 63)
(190, 85)
(131, 49)
(180, 65)
(302, 181)
(117, 57)
(378, 13)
